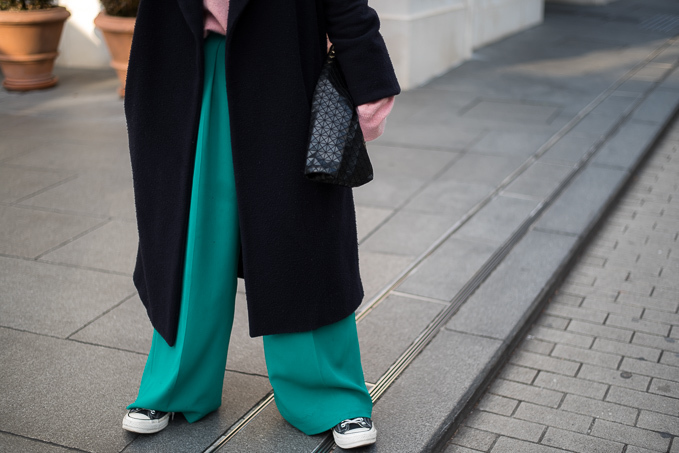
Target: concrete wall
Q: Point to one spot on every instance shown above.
(425, 37)
(495, 19)
(583, 2)
(81, 45)
(428, 37)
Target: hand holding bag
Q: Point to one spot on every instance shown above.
(336, 153)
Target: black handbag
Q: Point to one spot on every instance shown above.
(336, 153)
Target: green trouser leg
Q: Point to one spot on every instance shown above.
(316, 376)
(188, 377)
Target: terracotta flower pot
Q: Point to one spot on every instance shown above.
(118, 35)
(28, 47)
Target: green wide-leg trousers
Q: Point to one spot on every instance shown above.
(316, 376)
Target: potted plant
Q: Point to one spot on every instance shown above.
(116, 22)
(30, 31)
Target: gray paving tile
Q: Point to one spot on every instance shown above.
(241, 392)
(582, 200)
(11, 148)
(595, 125)
(523, 392)
(378, 269)
(665, 388)
(617, 104)
(514, 112)
(570, 385)
(621, 378)
(269, 432)
(473, 438)
(496, 221)
(16, 183)
(10, 442)
(658, 106)
(411, 161)
(510, 143)
(539, 180)
(246, 354)
(410, 420)
(92, 129)
(72, 155)
(444, 273)
(510, 426)
(388, 190)
(653, 71)
(29, 232)
(506, 298)
(627, 434)
(112, 247)
(431, 135)
(61, 378)
(518, 373)
(482, 169)
(626, 349)
(93, 192)
(510, 445)
(542, 362)
(599, 409)
(497, 404)
(635, 86)
(56, 300)
(553, 417)
(126, 327)
(408, 233)
(650, 369)
(586, 356)
(627, 146)
(448, 196)
(570, 441)
(368, 218)
(643, 400)
(389, 329)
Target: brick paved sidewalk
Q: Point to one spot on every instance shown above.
(599, 370)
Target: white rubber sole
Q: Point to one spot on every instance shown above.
(347, 441)
(145, 426)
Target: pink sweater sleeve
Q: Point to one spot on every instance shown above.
(373, 117)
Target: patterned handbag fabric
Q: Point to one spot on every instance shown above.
(336, 153)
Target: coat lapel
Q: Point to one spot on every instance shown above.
(193, 14)
(236, 7)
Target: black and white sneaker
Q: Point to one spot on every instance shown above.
(354, 432)
(145, 421)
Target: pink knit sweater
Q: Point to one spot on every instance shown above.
(372, 116)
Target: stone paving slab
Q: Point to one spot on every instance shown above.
(56, 300)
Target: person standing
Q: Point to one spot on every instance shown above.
(217, 103)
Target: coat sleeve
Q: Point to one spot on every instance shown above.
(353, 27)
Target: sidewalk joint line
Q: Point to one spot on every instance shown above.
(46, 442)
(125, 299)
(45, 189)
(74, 238)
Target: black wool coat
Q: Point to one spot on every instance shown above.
(299, 254)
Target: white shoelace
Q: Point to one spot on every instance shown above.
(357, 421)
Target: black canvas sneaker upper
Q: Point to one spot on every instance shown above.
(148, 413)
